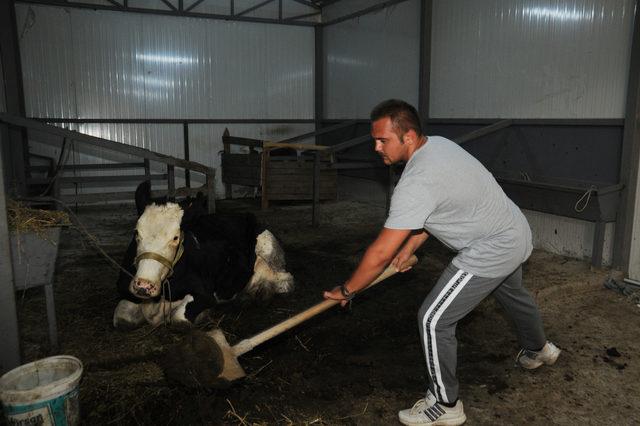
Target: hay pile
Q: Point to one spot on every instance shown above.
(26, 219)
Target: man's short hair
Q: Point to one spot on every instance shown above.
(403, 116)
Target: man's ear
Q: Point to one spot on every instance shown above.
(410, 137)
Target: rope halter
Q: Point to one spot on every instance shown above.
(161, 259)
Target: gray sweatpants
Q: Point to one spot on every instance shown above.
(455, 295)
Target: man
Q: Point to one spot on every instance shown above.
(447, 193)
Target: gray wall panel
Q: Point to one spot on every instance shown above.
(371, 58)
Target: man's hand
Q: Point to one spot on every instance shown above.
(417, 238)
(400, 259)
(336, 294)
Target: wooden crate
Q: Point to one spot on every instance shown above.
(287, 178)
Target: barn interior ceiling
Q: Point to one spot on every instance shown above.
(291, 12)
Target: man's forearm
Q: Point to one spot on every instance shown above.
(416, 239)
(378, 255)
(371, 265)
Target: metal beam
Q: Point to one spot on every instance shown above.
(361, 12)
(115, 3)
(308, 3)
(10, 353)
(305, 15)
(328, 3)
(424, 73)
(173, 120)
(318, 76)
(319, 132)
(630, 156)
(254, 7)
(196, 3)
(185, 141)
(349, 144)
(483, 131)
(15, 145)
(597, 122)
(186, 13)
(169, 5)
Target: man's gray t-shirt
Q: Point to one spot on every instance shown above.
(450, 194)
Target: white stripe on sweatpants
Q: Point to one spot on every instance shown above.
(437, 375)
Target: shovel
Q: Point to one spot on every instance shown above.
(223, 367)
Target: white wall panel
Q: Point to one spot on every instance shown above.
(121, 65)
(223, 69)
(104, 64)
(567, 236)
(372, 58)
(46, 46)
(109, 77)
(530, 58)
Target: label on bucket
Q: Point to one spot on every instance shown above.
(61, 411)
(40, 416)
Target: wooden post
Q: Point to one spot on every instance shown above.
(185, 137)
(211, 194)
(51, 317)
(228, 193)
(598, 244)
(147, 168)
(264, 164)
(171, 182)
(315, 220)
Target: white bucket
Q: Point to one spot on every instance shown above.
(44, 392)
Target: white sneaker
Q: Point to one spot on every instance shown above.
(427, 411)
(531, 359)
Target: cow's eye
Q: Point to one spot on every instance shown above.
(175, 238)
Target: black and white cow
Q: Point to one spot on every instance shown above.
(184, 261)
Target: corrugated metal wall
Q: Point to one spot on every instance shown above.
(102, 64)
(533, 59)
(371, 58)
(530, 58)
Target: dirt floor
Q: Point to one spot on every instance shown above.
(344, 367)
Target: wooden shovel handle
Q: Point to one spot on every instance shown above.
(246, 345)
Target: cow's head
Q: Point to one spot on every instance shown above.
(159, 242)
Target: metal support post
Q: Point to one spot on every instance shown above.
(9, 334)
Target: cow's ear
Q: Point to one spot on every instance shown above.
(143, 196)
